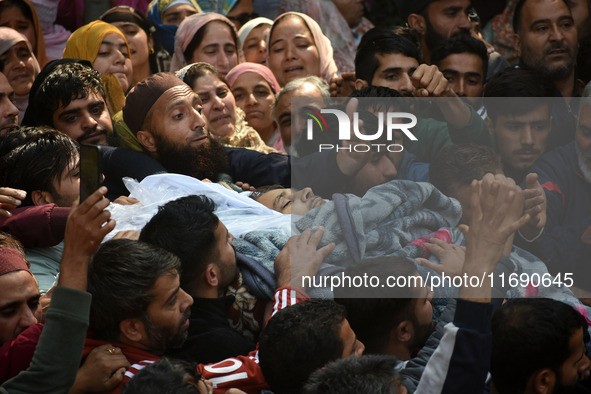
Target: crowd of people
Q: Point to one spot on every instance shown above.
(245, 191)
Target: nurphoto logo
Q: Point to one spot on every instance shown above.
(392, 122)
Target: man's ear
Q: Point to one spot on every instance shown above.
(360, 84)
(132, 330)
(212, 274)
(42, 197)
(404, 331)
(417, 22)
(543, 381)
(147, 140)
(517, 44)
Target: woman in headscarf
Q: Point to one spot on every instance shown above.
(105, 47)
(166, 16)
(210, 38)
(252, 40)
(225, 122)
(22, 17)
(342, 21)
(254, 88)
(138, 33)
(238, 11)
(298, 48)
(18, 65)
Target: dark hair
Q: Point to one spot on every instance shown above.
(121, 276)
(8, 241)
(380, 41)
(529, 334)
(34, 158)
(298, 340)
(377, 98)
(259, 191)
(516, 86)
(198, 38)
(186, 228)
(201, 69)
(460, 164)
(372, 312)
(584, 60)
(67, 82)
(517, 15)
(461, 44)
(354, 375)
(164, 376)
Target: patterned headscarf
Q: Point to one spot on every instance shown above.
(219, 6)
(165, 33)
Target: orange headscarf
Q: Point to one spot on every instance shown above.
(39, 48)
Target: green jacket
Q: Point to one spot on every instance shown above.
(58, 353)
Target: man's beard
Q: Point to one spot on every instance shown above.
(552, 74)
(584, 161)
(163, 339)
(229, 273)
(433, 38)
(561, 388)
(208, 160)
(421, 334)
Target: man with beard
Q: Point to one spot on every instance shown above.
(385, 58)
(68, 95)
(538, 346)
(137, 304)
(165, 115)
(189, 229)
(464, 63)
(43, 163)
(519, 117)
(388, 320)
(565, 175)
(436, 21)
(546, 40)
(8, 111)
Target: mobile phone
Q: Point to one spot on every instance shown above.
(90, 170)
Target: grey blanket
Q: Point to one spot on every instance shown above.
(387, 218)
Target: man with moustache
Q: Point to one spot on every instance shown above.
(565, 174)
(519, 118)
(68, 95)
(189, 229)
(165, 115)
(8, 111)
(436, 21)
(546, 40)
